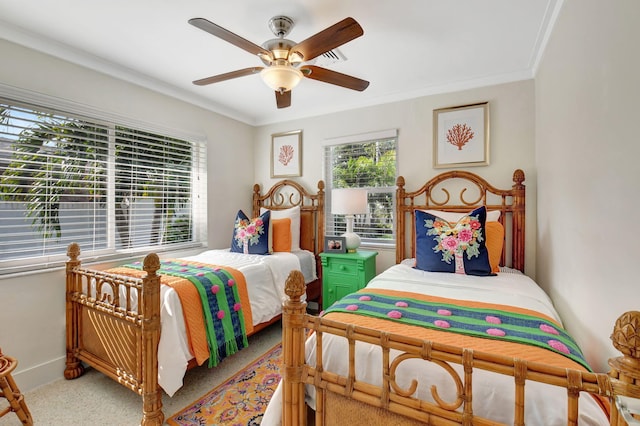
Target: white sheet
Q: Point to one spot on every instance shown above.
(265, 277)
(513, 289)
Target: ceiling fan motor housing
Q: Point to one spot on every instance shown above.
(279, 48)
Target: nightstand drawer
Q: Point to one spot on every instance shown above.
(346, 267)
(334, 278)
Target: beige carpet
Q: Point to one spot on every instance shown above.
(94, 399)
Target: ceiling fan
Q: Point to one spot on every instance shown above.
(284, 58)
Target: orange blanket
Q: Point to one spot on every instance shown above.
(455, 339)
(192, 306)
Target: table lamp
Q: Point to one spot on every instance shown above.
(349, 202)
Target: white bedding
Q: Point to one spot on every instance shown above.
(506, 288)
(265, 277)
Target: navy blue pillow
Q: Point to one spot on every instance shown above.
(251, 236)
(452, 247)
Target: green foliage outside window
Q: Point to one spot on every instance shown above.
(50, 160)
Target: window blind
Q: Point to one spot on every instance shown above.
(111, 188)
(366, 161)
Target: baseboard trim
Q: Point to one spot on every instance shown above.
(39, 375)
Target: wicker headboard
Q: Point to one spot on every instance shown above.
(286, 194)
(472, 191)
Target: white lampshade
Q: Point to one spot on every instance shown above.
(281, 78)
(350, 201)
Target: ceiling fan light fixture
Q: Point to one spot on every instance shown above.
(281, 78)
(295, 57)
(266, 58)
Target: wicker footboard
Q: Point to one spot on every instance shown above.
(110, 335)
(362, 402)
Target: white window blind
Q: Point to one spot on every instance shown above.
(109, 187)
(364, 161)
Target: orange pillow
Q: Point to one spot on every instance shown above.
(281, 232)
(494, 242)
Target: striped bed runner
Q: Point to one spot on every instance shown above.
(215, 305)
(451, 316)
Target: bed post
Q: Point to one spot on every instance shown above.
(626, 368)
(255, 205)
(151, 394)
(293, 338)
(518, 220)
(73, 367)
(400, 231)
(319, 225)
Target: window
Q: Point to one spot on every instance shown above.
(109, 187)
(364, 161)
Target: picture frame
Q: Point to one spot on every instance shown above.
(286, 154)
(335, 244)
(461, 136)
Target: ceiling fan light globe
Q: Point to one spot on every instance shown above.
(281, 78)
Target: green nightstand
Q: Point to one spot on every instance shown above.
(344, 273)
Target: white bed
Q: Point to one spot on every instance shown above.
(265, 276)
(139, 345)
(545, 404)
(485, 348)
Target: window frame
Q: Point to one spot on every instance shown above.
(384, 243)
(17, 98)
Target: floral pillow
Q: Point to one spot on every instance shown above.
(251, 236)
(452, 247)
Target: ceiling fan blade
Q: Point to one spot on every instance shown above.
(283, 100)
(228, 36)
(333, 77)
(227, 76)
(330, 38)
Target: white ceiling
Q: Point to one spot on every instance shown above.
(410, 48)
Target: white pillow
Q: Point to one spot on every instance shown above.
(453, 217)
(294, 214)
(408, 262)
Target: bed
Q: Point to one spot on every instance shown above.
(142, 323)
(371, 358)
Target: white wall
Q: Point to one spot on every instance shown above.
(512, 143)
(587, 150)
(32, 307)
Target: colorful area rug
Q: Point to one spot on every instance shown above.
(241, 400)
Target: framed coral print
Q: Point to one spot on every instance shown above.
(286, 154)
(461, 136)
